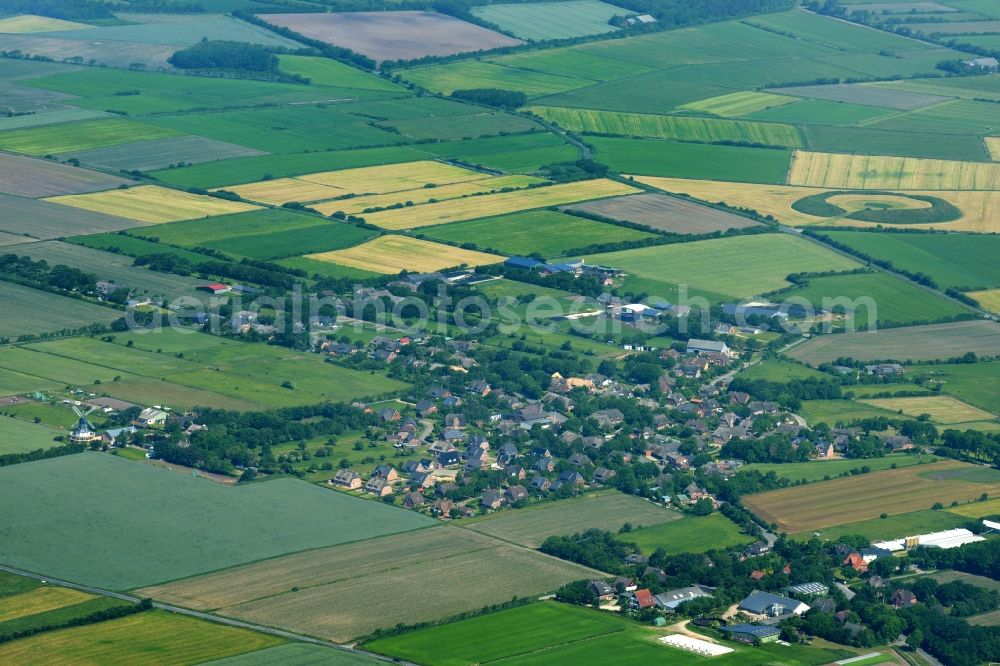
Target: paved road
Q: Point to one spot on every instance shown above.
(206, 616)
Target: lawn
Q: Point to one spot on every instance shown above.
(17, 436)
(153, 204)
(819, 470)
(682, 128)
(863, 497)
(691, 535)
(456, 210)
(145, 638)
(726, 266)
(778, 370)
(608, 510)
(175, 525)
(895, 526)
(960, 261)
(941, 408)
(927, 343)
(392, 254)
(546, 232)
(653, 157)
(876, 298)
(332, 597)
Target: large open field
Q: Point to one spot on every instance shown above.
(29, 177)
(30, 311)
(864, 497)
(652, 157)
(726, 266)
(159, 153)
(394, 35)
(146, 638)
(153, 204)
(164, 525)
(392, 254)
(551, 20)
(979, 208)
(876, 297)
(894, 526)
(546, 232)
(469, 208)
(818, 470)
(17, 436)
(683, 128)
(691, 535)
(736, 104)
(919, 343)
(941, 409)
(359, 181)
(607, 510)
(67, 137)
(552, 633)
(433, 573)
(961, 261)
(32, 219)
(212, 371)
(863, 172)
(671, 214)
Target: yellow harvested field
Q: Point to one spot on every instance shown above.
(153, 204)
(392, 254)
(40, 600)
(868, 172)
(498, 204)
(941, 408)
(357, 205)
(980, 209)
(989, 299)
(394, 177)
(993, 145)
(32, 23)
(282, 190)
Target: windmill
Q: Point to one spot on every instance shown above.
(83, 432)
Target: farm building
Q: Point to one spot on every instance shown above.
(808, 588)
(695, 346)
(772, 605)
(752, 633)
(214, 288)
(674, 598)
(946, 539)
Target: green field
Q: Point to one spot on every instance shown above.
(551, 20)
(145, 638)
(31, 312)
(165, 525)
(298, 654)
(329, 72)
(608, 510)
(820, 469)
(739, 104)
(976, 383)
(17, 436)
(209, 371)
(682, 128)
(874, 141)
(726, 266)
(895, 526)
(551, 633)
(778, 370)
(820, 112)
(546, 232)
(465, 73)
(691, 535)
(82, 135)
(650, 157)
(960, 261)
(832, 412)
(892, 299)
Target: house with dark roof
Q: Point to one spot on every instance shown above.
(602, 590)
(903, 599)
(752, 633)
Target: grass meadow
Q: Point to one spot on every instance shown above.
(894, 526)
(819, 470)
(82, 135)
(551, 20)
(608, 510)
(691, 535)
(546, 232)
(942, 409)
(174, 526)
(31, 312)
(17, 436)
